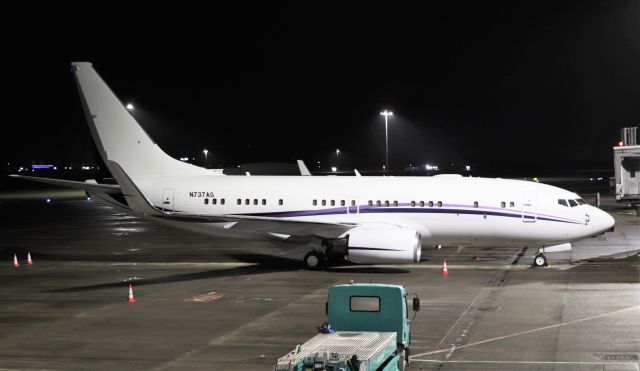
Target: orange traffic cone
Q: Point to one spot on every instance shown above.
(445, 272)
(29, 261)
(15, 261)
(131, 299)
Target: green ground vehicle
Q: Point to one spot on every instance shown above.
(372, 332)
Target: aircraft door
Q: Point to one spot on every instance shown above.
(167, 199)
(529, 214)
(352, 206)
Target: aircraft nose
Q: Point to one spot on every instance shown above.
(604, 221)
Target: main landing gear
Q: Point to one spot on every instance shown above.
(314, 260)
(326, 253)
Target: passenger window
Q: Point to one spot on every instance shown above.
(315, 202)
(324, 202)
(430, 203)
(333, 202)
(503, 204)
(370, 203)
(255, 201)
(421, 203)
(222, 201)
(264, 202)
(353, 202)
(239, 202)
(280, 202)
(563, 202)
(395, 203)
(247, 201)
(206, 201)
(342, 203)
(475, 204)
(512, 204)
(439, 203)
(573, 203)
(413, 204)
(386, 203)
(378, 203)
(214, 201)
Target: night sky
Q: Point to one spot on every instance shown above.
(499, 86)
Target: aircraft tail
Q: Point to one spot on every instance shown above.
(118, 136)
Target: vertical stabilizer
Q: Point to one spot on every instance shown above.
(118, 135)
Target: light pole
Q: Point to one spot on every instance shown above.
(337, 159)
(386, 115)
(205, 158)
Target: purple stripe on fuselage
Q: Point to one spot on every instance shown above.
(365, 209)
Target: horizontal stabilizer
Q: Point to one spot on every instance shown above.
(90, 186)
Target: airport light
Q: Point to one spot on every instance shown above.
(334, 169)
(130, 106)
(386, 115)
(337, 159)
(205, 151)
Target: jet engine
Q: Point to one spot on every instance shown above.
(383, 244)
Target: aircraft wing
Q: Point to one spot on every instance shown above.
(129, 199)
(277, 227)
(286, 228)
(90, 186)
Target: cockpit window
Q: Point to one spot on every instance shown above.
(563, 202)
(580, 201)
(573, 203)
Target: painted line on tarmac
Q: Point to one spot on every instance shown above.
(436, 351)
(169, 265)
(532, 362)
(463, 266)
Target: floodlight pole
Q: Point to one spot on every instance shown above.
(386, 115)
(206, 165)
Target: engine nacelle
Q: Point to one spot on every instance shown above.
(381, 244)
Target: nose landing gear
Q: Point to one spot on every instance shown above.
(540, 260)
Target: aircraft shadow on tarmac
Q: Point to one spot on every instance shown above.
(260, 264)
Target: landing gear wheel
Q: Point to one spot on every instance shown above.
(540, 260)
(313, 260)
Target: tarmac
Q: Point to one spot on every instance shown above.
(233, 304)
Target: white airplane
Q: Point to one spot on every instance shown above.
(361, 219)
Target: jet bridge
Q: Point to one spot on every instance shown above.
(626, 158)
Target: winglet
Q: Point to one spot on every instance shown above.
(357, 172)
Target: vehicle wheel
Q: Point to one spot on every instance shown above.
(313, 260)
(407, 356)
(402, 362)
(540, 260)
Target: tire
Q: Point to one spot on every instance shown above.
(540, 260)
(402, 359)
(313, 260)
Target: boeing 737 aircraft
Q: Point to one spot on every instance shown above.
(360, 219)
